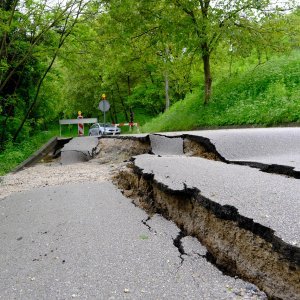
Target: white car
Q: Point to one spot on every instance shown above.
(103, 129)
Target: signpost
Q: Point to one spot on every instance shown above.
(104, 105)
(80, 125)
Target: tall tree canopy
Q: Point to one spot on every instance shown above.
(31, 34)
(202, 25)
(58, 57)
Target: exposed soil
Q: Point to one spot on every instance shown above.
(120, 149)
(237, 245)
(193, 148)
(200, 146)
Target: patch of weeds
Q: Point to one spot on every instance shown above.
(143, 237)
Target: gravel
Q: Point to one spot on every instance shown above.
(53, 174)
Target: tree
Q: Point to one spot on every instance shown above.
(117, 53)
(64, 30)
(205, 23)
(32, 32)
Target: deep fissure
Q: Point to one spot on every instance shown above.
(236, 245)
(207, 149)
(272, 168)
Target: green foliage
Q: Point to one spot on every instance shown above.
(53, 64)
(149, 97)
(266, 95)
(31, 35)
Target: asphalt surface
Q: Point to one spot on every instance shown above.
(269, 199)
(79, 149)
(88, 241)
(264, 145)
(160, 145)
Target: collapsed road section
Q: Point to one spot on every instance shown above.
(250, 230)
(79, 150)
(247, 219)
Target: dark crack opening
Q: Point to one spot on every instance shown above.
(177, 242)
(145, 222)
(209, 151)
(132, 202)
(210, 258)
(271, 169)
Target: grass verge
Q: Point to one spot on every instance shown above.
(14, 154)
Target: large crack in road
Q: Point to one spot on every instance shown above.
(235, 243)
(203, 147)
(239, 245)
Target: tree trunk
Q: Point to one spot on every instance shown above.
(207, 77)
(167, 91)
(114, 108)
(128, 85)
(206, 50)
(166, 75)
(123, 104)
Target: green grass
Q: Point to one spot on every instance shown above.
(267, 95)
(14, 154)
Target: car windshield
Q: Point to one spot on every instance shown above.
(107, 125)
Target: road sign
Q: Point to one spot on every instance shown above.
(104, 105)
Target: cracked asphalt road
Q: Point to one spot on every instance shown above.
(269, 199)
(263, 145)
(87, 241)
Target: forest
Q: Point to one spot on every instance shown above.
(176, 64)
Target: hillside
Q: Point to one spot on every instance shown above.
(267, 95)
